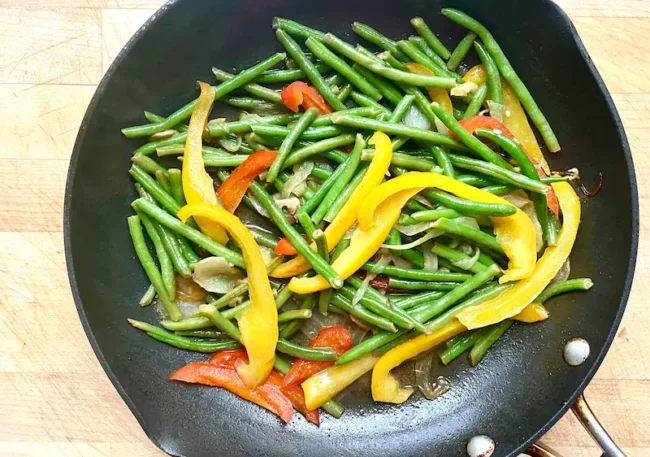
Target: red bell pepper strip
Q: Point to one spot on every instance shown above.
(284, 247)
(267, 395)
(228, 359)
(337, 338)
(235, 187)
(485, 122)
(299, 94)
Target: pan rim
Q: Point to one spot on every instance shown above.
(76, 152)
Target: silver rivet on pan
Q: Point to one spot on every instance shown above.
(480, 446)
(576, 351)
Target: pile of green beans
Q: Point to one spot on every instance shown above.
(413, 290)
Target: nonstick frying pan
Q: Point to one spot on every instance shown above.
(517, 392)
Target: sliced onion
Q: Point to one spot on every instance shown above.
(465, 248)
(258, 207)
(162, 135)
(300, 189)
(189, 291)
(430, 259)
(468, 221)
(410, 230)
(372, 274)
(402, 247)
(300, 175)
(230, 142)
(497, 110)
(532, 214)
(350, 231)
(249, 116)
(399, 261)
(563, 273)
(292, 204)
(216, 274)
(423, 379)
(423, 201)
(466, 264)
(440, 127)
(516, 199)
(268, 255)
(415, 118)
(464, 89)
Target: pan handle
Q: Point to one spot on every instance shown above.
(587, 418)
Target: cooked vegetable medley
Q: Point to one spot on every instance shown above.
(364, 209)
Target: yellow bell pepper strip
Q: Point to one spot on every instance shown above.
(328, 383)
(348, 214)
(515, 118)
(532, 313)
(513, 301)
(436, 94)
(515, 234)
(258, 323)
(385, 387)
(363, 244)
(197, 183)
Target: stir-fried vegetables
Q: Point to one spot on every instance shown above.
(409, 215)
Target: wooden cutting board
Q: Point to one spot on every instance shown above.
(55, 400)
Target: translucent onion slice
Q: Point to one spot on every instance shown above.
(216, 274)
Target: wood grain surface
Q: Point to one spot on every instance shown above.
(55, 400)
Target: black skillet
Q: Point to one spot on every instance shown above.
(517, 392)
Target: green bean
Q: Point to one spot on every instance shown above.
(443, 161)
(376, 38)
(179, 149)
(457, 112)
(156, 191)
(288, 142)
(340, 66)
(401, 108)
(308, 226)
(152, 146)
(493, 79)
(219, 161)
(469, 140)
(467, 232)
(410, 284)
(262, 92)
(228, 298)
(219, 321)
(476, 102)
(314, 133)
(176, 184)
(296, 29)
(435, 214)
(425, 32)
(264, 238)
(210, 334)
(421, 314)
(527, 168)
(403, 160)
(485, 342)
(423, 47)
(283, 297)
(465, 206)
(187, 251)
(388, 58)
(147, 164)
(179, 261)
(500, 189)
(455, 256)
(190, 323)
(345, 194)
(302, 352)
(295, 314)
(324, 299)
(362, 313)
(181, 342)
(154, 118)
(293, 74)
(379, 304)
(508, 74)
(148, 296)
(389, 73)
(419, 57)
(461, 51)
(473, 180)
(299, 155)
(222, 89)
(293, 327)
(245, 126)
(188, 232)
(163, 181)
(277, 216)
(150, 268)
(321, 244)
(249, 103)
(336, 252)
(453, 351)
(317, 80)
(344, 93)
(312, 202)
(385, 87)
(348, 168)
(364, 100)
(166, 268)
(397, 129)
(499, 174)
(561, 287)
